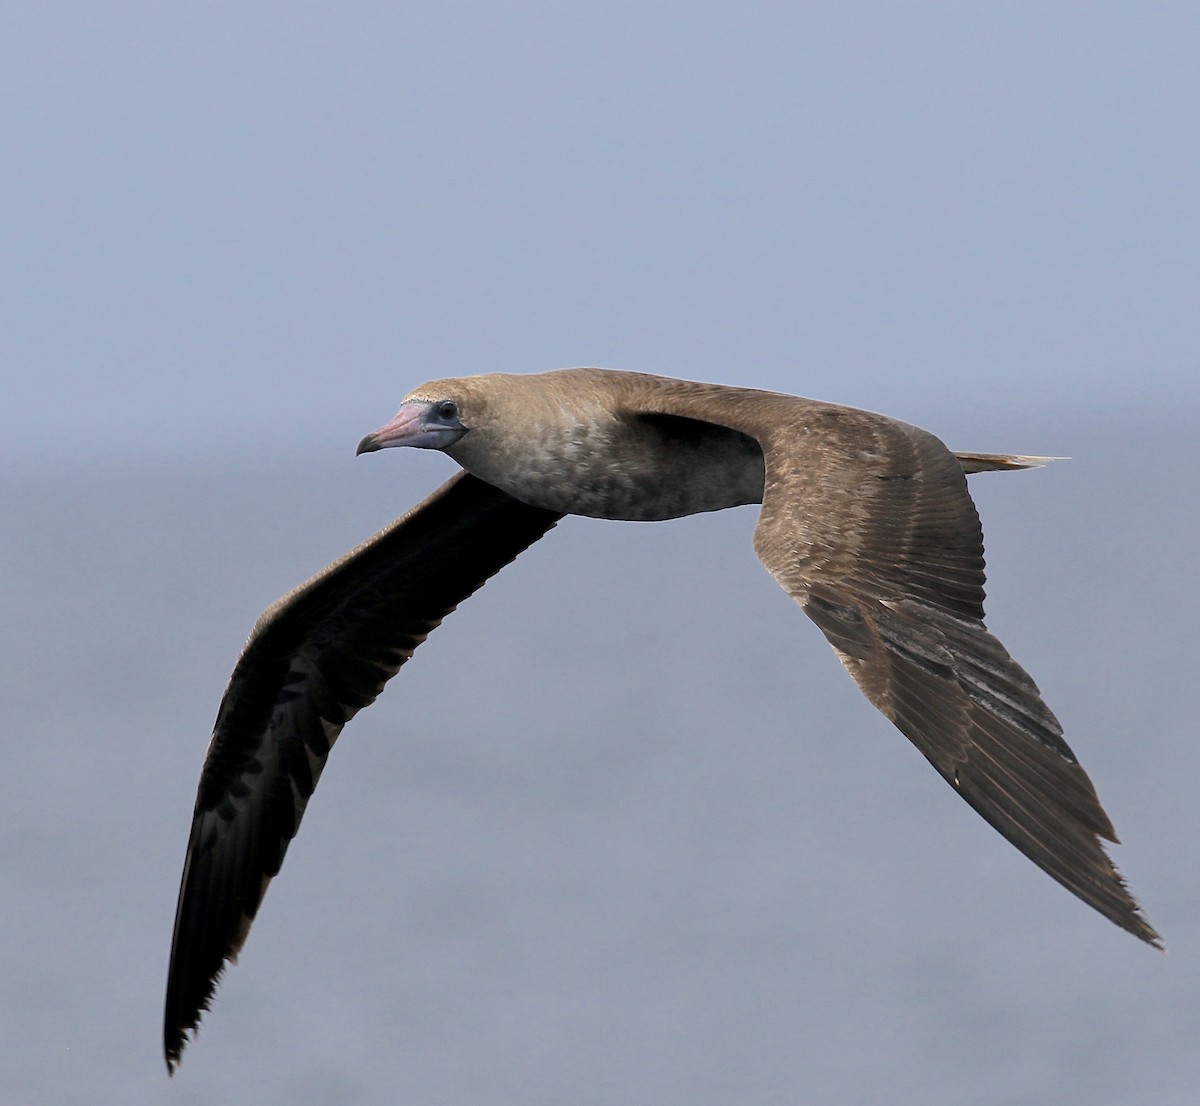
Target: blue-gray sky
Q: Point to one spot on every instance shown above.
(225, 216)
(623, 831)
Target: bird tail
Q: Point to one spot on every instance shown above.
(1000, 462)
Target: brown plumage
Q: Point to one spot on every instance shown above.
(866, 522)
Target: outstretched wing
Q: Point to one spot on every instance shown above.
(314, 659)
(867, 523)
(871, 529)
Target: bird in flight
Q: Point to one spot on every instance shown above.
(866, 522)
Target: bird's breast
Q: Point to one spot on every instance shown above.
(640, 470)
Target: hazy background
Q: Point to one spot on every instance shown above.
(623, 832)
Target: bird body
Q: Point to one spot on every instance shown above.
(866, 522)
(566, 442)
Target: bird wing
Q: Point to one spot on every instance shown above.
(314, 659)
(867, 523)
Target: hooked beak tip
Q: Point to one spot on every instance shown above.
(369, 444)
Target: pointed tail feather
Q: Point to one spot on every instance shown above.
(1001, 462)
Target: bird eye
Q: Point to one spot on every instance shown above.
(448, 409)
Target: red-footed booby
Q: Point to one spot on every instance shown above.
(866, 522)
